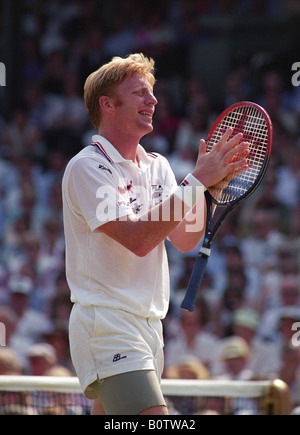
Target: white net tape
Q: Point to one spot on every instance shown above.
(170, 387)
(47, 394)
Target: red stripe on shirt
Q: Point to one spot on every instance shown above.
(103, 150)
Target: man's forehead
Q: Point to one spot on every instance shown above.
(135, 81)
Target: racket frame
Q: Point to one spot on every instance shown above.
(211, 229)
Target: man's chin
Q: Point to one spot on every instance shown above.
(148, 130)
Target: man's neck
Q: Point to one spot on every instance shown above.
(125, 145)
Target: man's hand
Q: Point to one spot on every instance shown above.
(226, 159)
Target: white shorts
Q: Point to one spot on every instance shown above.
(105, 342)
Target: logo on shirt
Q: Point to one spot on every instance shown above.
(130, 198)
(127, 188)
(137, 207)
(105, 168)
(157, 191)
(118, 357)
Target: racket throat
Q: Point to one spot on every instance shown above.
(204, 251)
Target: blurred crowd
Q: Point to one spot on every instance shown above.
(247, 315)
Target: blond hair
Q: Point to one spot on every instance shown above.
(105, 80)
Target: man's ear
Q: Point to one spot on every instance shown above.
(105, 103)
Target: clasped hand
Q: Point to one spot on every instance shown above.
(226, 159)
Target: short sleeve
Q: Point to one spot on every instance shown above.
(93, 194)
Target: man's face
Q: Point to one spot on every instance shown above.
(134, 105)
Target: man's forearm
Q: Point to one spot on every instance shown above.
(189, 232)
(142, 234)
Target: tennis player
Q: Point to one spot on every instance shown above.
(120, 204)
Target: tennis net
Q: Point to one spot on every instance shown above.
(47, 395)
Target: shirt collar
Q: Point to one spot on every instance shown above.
(113, 155)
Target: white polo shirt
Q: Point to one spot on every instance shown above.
(99, 185)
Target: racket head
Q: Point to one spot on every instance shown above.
(254, 122)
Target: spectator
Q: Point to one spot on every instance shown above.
(289, 295)
(53, 173)
(235, 354)
(187, 139)
(9, 363)
(262, 359)
(58, 338)
(29, 324)
(233, 298)
(21, 136)
(42, 358)
(192, 338)
(286, 267)
(191, 131)
(288, 179)
(188, 367)
(289, 372)
(287, 318)
(60, 309)
(9, 319)
(166, 122)
(259, 249)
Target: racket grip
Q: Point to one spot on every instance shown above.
(191, 294)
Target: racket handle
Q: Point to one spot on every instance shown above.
(191, 294)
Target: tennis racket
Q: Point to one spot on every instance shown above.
(255, 124)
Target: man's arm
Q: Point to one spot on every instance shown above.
(190, 230)
(142, 234)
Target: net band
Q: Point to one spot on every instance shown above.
(170, 387)
(40, 395)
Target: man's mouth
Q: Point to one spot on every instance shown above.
(145, 113)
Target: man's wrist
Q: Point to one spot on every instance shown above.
(190, 191)
(191, 180)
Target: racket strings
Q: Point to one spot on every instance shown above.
(252, 124)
